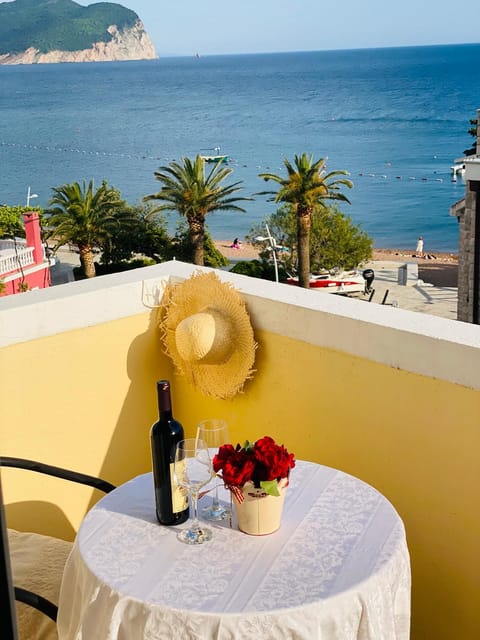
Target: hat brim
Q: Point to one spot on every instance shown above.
(201, 291)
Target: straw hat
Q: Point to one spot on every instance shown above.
(208, 335)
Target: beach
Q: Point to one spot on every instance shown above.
(440, 269)
(435, 291)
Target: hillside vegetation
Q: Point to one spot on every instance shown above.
(64, 25)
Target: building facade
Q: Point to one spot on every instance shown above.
(467, 212)
(23, 263)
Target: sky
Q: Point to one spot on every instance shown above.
(187, 27)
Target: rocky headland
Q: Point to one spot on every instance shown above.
(51, 31)
(129, 44)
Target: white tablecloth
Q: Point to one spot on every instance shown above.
(338, 568)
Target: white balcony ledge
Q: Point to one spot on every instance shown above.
(419, 343)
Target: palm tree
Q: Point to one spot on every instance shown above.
(85, 217)
(306, 188)
(186, 189)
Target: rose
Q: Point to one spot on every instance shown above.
(273, 460)
(262, 463)
(237, 465)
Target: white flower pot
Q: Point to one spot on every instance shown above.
(259, 513)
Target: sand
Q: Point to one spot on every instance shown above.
(439, 269)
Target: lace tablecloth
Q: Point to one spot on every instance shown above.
(338, 568)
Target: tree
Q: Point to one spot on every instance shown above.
(186, 189)
(11, 220)
(306, 186)
(473, 131)
(11, 223)
(180, 248)
(86, 218)
(335, 241)
(145, 234)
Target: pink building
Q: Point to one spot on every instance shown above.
(23, 264)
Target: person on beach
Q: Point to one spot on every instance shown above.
(419, 249)
(235, 244)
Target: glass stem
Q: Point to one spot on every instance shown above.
(195, 526)
(216, 501)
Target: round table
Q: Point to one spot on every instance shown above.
(338, 568)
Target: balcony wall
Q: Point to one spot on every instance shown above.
(387, 395)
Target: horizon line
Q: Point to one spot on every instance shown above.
(366, 48)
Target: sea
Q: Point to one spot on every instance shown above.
(394, 118)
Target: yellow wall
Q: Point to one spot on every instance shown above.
(85, 399)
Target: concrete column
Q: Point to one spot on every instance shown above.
(31, 221)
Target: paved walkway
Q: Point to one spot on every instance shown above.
(62, 271)
(421, 297)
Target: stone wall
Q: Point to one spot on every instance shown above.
(469, 242)
(468, 215)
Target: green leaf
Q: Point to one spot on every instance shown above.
(270, 487)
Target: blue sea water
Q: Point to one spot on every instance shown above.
(394, 118)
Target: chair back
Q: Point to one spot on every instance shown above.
(8, 620)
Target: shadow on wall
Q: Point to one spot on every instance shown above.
(49, 518)
(129, 449)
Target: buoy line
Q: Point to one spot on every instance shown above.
(37, 147)
(386, 177)
(145, 156)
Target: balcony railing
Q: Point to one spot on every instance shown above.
(11, 260)
(6, 244)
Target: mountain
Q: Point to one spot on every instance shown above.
(34, 31)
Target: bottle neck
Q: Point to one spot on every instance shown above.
(164, 399)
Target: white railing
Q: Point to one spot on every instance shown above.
(7, 244)
(12, 262)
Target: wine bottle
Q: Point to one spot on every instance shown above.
(170, 500)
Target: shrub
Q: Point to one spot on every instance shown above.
(259, 269)
(106, 269)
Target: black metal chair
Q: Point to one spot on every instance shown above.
(14, 542)
(8, 621)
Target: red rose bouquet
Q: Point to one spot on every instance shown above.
(263, 462)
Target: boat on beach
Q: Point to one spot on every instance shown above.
(343, 283)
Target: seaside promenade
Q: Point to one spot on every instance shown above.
(435, 292)
(422, 297)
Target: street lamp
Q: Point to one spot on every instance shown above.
(30, 196)
(272, 246)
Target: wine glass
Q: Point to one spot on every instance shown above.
(193, 470)
(215, 433)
